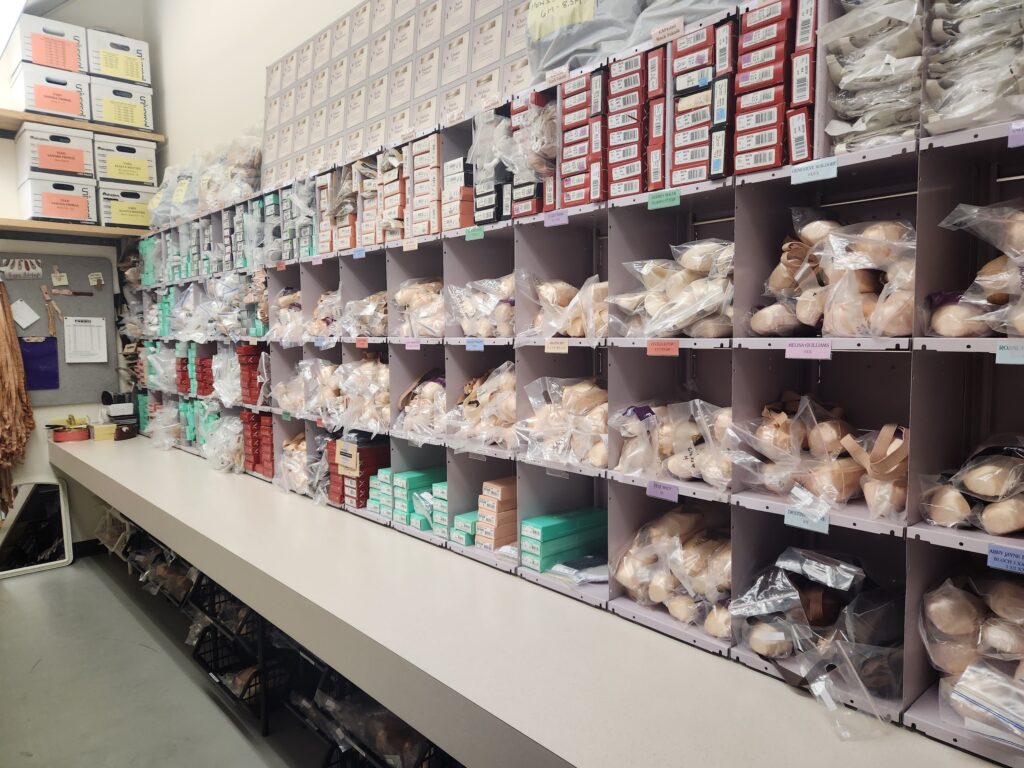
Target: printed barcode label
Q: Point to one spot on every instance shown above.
(758, 98)
(576, 196)
(575, 182)
(596, 93)
(699, 78)
(623, 188)
(657, 120)
(762, 14)
(570, 87)
(627, 171)
(572, 118)
(753, 120)
(623, 102)
(798, 138)
(805, 23)
(802, 79)
(694, 136)
(595, 140)
(720, 102)
(693, 175)
(760, 56)
(700, 36)
(624, 67)
(718, 153)
(759, 36)
(690, 119)
(748, 141)
(655, 166)
(571, 167)
(623, 119)
(595, 182)
(756, 76)
(653, 73)
(723, 48)
(576, 134)
(760, 159)
(572, 102)
(622, 154)
(692, 155)
(691, 61)
(572, 151)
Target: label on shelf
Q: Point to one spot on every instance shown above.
(1006, 558)
(666, 32)
(556, 76)
(556, 218)
(663, 347)
(1015, 136)
(410, 245)
(320, 342)
(286, 415)
(359, 253)
(412, 345)
(320, 423)
(814, 170)
(663, 198)
(253, 342)
(806, 519)
(362, 343)
(809, 349)
(317, 261)
(280, 266)
(474, 345)
(664, 491)
(1010, 353)
(475, 233)
(557, 346)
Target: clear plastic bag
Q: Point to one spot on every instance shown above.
(561, 309)
(420, 307)
(483, 308)
(991, 702)
(160, 369)
(1001, 225)
(580, 34)
(486, 414)
(286, 323)
(949, 315)
(421, 410)
(326, 319)
(192, 316)
(164, 428)
(318, 387)
(363, 400)
(290, 395)
(995, 471)
(225, 293)
(293, 470)
(227, 377)
(570, 422)
(883, 455)
(366, 317)
(491, 133)
(639, 455)
(222, 445)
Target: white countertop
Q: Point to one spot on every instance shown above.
(589, 686)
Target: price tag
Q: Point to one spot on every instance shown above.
(800, 518)
(1016, 134)
(410, 244)
(475, 233)
(362, 343)
(663, 198)
(556, 76)
(664, 491)
(556, 218)
(412, 345)
(1006, 558)
(317, 261)
(359, 253)
(667, 32)
(474, 345)
(814, 170)
(557, 346)
(663, 347)
(809, 349)
(280, 266)
(1010, 353)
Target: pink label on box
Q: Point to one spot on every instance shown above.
(53, 157)
(59, 206)
(54, 52)
(809, 349)
(54, 99)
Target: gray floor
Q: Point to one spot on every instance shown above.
(94, 672)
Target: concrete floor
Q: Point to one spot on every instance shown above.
(94, 672)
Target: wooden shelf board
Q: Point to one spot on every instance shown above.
(11, 120)
(68, 229)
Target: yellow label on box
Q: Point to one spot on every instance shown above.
(122, 65)
(124, 113)
(547, 16)
(180, 191)
(133, 214)
(128, 168)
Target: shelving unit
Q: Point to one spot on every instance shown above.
(11, 120)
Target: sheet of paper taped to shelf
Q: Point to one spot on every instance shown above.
(547, 16)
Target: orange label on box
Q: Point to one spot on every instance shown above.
(663, 347)
(54, 52)
(59, 206)
(54, 157)
(64, 100)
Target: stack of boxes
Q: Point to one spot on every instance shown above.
(258, 442)
(397, 494)
(530, 197)
(249, 364)
(370, 206)
(628, 94)
(324, 225)
(763, 66)
(392, 190)
(496, 514)
(204, 376)
(799, 129)
(463, 530)
(352, 465)
(582, 161)
(193, 374)
(426, 185)
(61, 69)
(703, 64)
(548, 540)
(456, 194)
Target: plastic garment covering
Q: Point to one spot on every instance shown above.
(483, 308)
(486, 413)
(366, 317)
(222, 445)
(420, 308)
(556, 308)
(570, 422)
(577, 34)
(227, 377)
(293, 468)
(164, 428)
(658, 13)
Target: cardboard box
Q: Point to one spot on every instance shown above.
(547, 527)
(765, 137)
(462, 537)
(119, 57)
(43, 148)
(656, 123)
(501, 488)
(799, 135)
(721, 101)
(802, 79)
(625, 101)
(123, 104)
(440, 530)
(699, 38)
(465, 522)
(693, 136)
(125, 161)
(50, 91)
(725, 47)
(626, 188)
(695, 100)
(495, 506)
(124, 205)
(692, 119)
(758, 57)
(695, 80)
(700, 153)
(766, 35)
(766, 97)
(695, 59)
(775, 11)
(656, 73)
(805, 35)
(595, 537)
(761, 77)
(655, 168)
(694, 174)
(58, 198)
(504, 529)
(623, 171)
(759, 160)
(46, 42)
(624, 119)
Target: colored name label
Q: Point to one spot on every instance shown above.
(664, 491)
(664, 198)
(1006, 558)
(54, 52)
(124, 66)
(410, 245)
(135, 214)
(475, 233)
(556, 76)
(474, 345)
(359, 253)
(809, 349)
(557, 346)
(316, 261)
(800, 518)
(667, 32)
(280, 266)
(128, 168)
(123, 113)
(286, 415)
(663, 347)
(62, 100)
(56, 158)
(362, 343)
(1015, 136)
(556, 218)
(814, 170)
(58, 206)
(413, 345)
(1010, 353)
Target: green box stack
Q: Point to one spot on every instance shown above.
(551, 539)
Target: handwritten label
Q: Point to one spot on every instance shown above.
(664, 491)
(809, 349)
(806, 519)
(663, 347)
(474, 345)
(359, 253)
(410, 245)
(1010, 353)
(556, 76)
(412, 345)
(557, 346)
(1015, 137)
(475, 233)
(666, 32)
(362, 343)
(1006, 558)
(663, 198)
(556, 218)
(814, 170)
(317, 261)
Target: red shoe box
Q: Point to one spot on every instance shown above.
(773, 12)
(799, 136)
(802, 79)
(655, 73)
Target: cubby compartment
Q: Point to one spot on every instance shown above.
(425, 261)
(407, 365)
(320, 280)
(467, 261)
(463, 365)
(360, 278)
(467, 472)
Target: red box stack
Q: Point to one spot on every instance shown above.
(258, 443)
(799, 134)
(703, 68)
(528, 196)
(249, 362)
(582, 163)
(181, 380)
(627, 125)
(351, 464)
(204, 376)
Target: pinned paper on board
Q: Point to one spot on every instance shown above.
(23, 314)
(85, 340)
(96, 279)
(58, 278)
(21, 269)
(39, 356)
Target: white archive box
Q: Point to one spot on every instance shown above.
(125, 161)
(60, 198)
(380, 53)
(45, 42)
(427, 74)
(51, 91)
(124, 104)
(123, 205)
(119, 57)
(487, 41)
(515, 27)
(403, 41)
(455, 58)
(518, 76)
(47, 149)
(485, 91)
(360, 26)
(322, 49)
(400, 87)
(457, 14)
(381, 14)
(429, 22)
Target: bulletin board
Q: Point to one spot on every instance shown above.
(79, 382)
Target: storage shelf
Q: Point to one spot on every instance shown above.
(694, 489)
(536, 341)
(68, 229)
(854, 515)
(427, 536)
(12, 120)
(988, 345)
(483, 556)
(684, 342)
(369, 515)
(592, 594)
(966, 539)
(661, 620)
(558, 467)
(838, 345)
